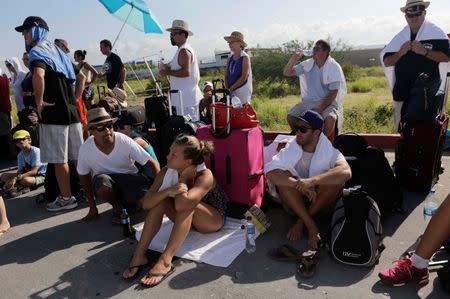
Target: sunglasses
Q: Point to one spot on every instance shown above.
(414, 14)
(19, 140)
(302, 129)
(175, 33)
(103, 127)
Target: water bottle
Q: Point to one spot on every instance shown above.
(250, 231)
(161, 63)
(430, 207)
(128, 230)
(236, 102)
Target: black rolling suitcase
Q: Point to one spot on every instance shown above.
(418, 152)
(176, 124)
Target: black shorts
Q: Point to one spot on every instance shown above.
(128, 188)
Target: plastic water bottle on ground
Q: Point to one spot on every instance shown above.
(250, 231)
(430, 207)
(128, 230)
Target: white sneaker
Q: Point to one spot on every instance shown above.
(61, 203)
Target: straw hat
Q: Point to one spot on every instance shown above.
(180, 25)
(96, 116)
(120, 95)
(236, 36)
(410, 3)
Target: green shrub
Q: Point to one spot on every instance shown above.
(361, 85)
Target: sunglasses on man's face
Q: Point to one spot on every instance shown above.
(414, 14)
(173, 33)
(103, 127)
(302, 129)
(317, 48)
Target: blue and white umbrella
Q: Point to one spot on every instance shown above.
(134, 13)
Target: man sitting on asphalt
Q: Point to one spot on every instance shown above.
(106, 166)
(309, 174)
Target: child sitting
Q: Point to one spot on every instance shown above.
(30, 172)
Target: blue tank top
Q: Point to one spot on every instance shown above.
(234, 70)
(149, 149)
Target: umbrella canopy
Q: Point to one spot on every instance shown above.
(134, 13)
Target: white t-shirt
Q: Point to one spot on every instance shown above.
(303, 165)
(121, 160)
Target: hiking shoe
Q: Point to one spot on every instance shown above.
(404, 272)
(61, 203)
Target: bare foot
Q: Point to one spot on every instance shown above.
(296, 230)
(134, 268)
(313, 238)
(4, 227)
(156, 274)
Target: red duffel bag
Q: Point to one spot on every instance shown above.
(240, 118)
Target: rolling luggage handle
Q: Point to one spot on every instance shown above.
(180, 94)
(226, 131)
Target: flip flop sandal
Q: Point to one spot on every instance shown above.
(162, 275)
(285, 253)
(139, 269)
(308, 263)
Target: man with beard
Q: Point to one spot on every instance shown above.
(309, 174)
(106, 166)
(184, 73)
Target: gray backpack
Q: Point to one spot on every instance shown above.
(355, 234)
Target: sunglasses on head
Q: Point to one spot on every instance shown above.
(302, 129)
(414, 14)
(103, 127)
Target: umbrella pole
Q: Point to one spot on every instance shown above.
(158, 87)
(123, 25)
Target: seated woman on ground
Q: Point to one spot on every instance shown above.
(127, 125)
(188, 194)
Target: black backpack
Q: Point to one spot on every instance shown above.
(355, 235)
(371, 170)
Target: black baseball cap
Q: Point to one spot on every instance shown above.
(312, 118)
(31, 22)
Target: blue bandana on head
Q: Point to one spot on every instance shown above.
(46, 51)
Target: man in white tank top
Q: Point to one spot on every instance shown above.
(183, 73)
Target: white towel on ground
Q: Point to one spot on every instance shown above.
(217, 249)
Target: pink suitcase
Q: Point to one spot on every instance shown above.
(238, 163)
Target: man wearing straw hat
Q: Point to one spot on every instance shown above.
(419, 47)
(106, 166)
(183, 73)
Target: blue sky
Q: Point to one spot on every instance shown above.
(83, 23)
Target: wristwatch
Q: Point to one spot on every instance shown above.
(19, 177)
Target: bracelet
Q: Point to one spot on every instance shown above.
(19, 177)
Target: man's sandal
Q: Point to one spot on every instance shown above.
(308, 263)
(285, 253)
